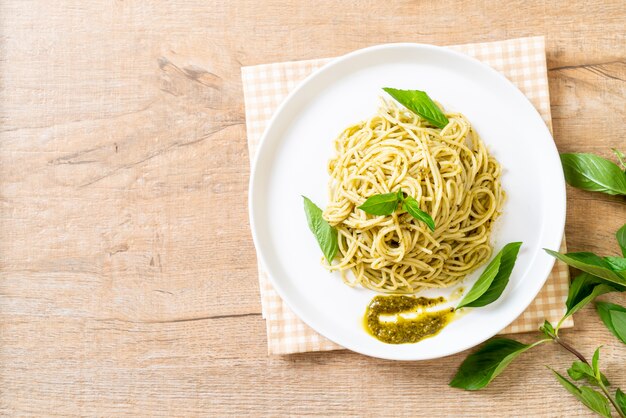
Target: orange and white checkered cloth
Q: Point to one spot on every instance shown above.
(522, 60)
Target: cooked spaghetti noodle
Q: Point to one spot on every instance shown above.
(448, 171)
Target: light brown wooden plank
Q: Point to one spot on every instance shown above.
(127, 273)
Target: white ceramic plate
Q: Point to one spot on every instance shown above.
(297, 145)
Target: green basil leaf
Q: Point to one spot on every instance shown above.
(598, 375)
(614, 317)
(493, 279)
(583, 290)
(412, 206)
(617, 263)
(593, 173)
(595, 401)
(547, 329)
(419, 103)
(590, 398)
(592, 264)
(580, 370)
(571, 388)
(325, 234)
(481, 367)
(618, 318)
(620, 157)
(381, 204)
(595, 363)
(620, 399)
(621, 239)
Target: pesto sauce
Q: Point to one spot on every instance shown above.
(404, 330)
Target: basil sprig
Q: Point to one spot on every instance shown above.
(385, 204)
(614, 317)
(493, 279)
(325, 234)
(421, 104)
(600, 275)
(593, 173)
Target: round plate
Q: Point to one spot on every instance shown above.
(292, 160)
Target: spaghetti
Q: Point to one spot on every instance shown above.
(448, 171)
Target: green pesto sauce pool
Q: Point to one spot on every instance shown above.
(405, 330)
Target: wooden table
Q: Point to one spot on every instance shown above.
(128, 275)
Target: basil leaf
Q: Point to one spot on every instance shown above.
(413, 208)
(620, 399)
(325, 234)
(583, 290)
(618, 318)
(593, 173)
(598, 375)
(594, 362)
(419, 103)
(595, 401)
(620, 157)
(621, 239)
(481, 367)
(580, 370)
(617, 263)
(614, 317)
(592, 264)
(590, 398)
(493, 279)
(381, 204)
(547, 329)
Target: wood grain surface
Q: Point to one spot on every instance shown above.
(128, 275)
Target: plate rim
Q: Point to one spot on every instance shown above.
(318, 73)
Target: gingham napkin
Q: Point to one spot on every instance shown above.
(522, 60)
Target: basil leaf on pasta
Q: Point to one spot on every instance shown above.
(421, 104)
(412, 206)
(381, 204)
(325, 234)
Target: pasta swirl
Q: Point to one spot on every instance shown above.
(448, 171)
